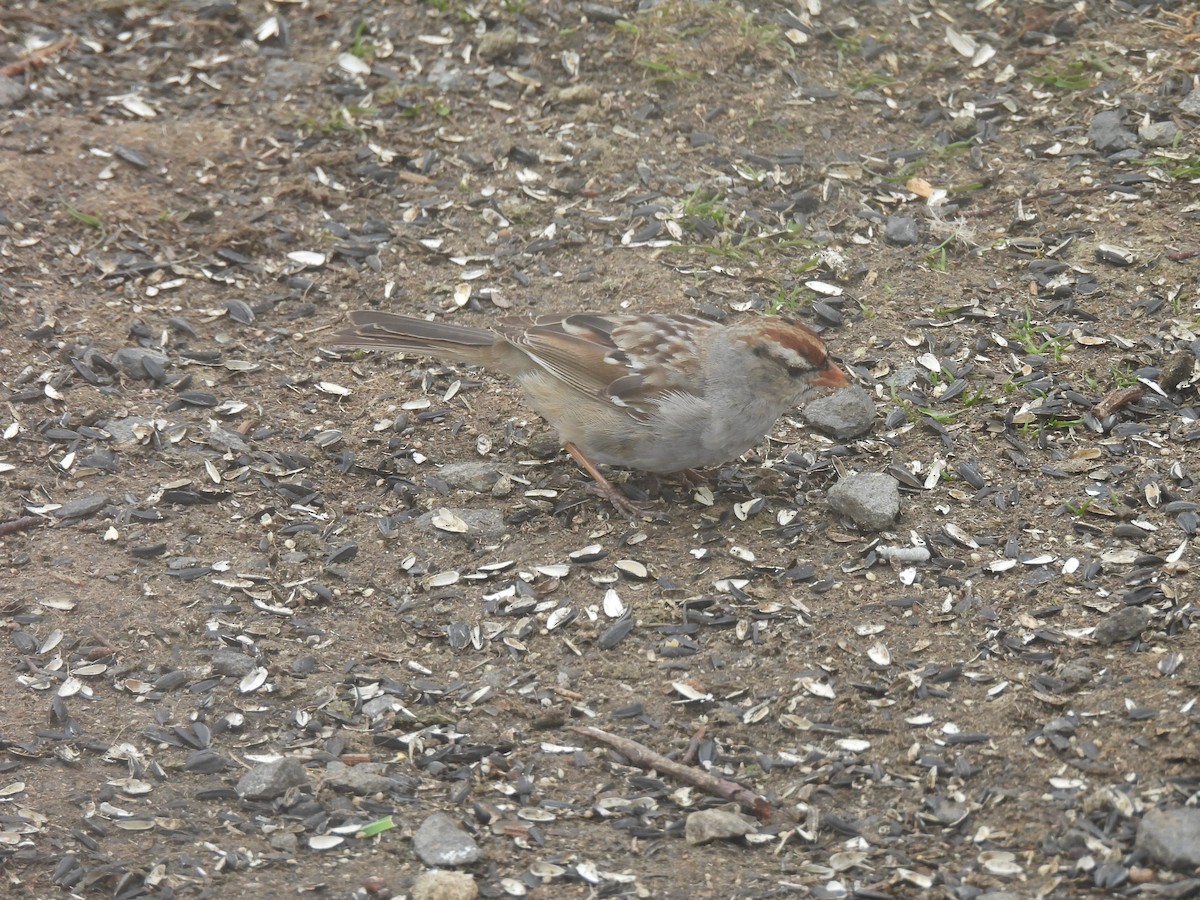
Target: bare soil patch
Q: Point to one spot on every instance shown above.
(991, 213)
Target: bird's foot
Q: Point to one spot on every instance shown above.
(604, 488)
(608, 491)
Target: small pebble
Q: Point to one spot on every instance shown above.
(81, 507)
(872, 501)
(12, 91)
(1171, 837)
(1159, 134)
(902, 230)
(437, 884)
(842, 415)
(363, 780)
(471, 476)
(440, 842)
(1108, 134)
(269, 780)
(133, 361)
(716, 825)
(1123, 625)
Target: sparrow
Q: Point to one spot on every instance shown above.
(659, 392)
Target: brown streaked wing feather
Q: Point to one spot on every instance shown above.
(612, 357)
(640, 341)
(643, 338)
(576, 359)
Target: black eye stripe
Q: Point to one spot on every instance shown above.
(763, 351)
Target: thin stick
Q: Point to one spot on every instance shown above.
(642, 756)
(1114, 400)
(12, 526)
(689, 755)
(38, 58)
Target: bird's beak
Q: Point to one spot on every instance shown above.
(831, 377)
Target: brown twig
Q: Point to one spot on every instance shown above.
(39, 57)
(642, 756)
(12, 526)
(1116, 399)
(693, 747)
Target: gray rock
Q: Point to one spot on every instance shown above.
(904, 377)
(503, 487)
(439, 885)
(1074, 841)
(1123, 625)
(363, 779)
(482, 524)
(132, 360)
(232, 663)
(472, 476)
(1076, 673)
(902, 230)
(1171, 836)
(12, 91)
(81, 507)
(872, 501)
(1108, 134)
(440, 842)
(171, 681)
(1191, 103)
(1159, 134)
(102, 458)
(225, 440)
(380, 706)
(285, 842)
(269, 780)
(841, 415)
(716, 825)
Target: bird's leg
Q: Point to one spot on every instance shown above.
(603, 486)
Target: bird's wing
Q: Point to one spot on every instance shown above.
(619, 358)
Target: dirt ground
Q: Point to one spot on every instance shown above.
(211, 548)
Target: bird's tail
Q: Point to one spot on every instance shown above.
(387, 331)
